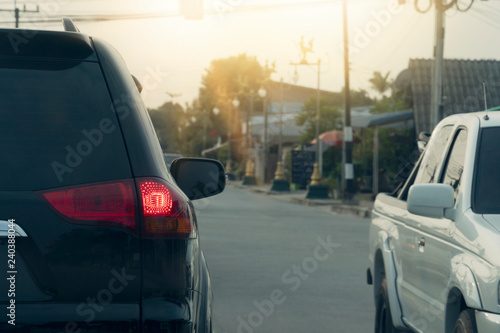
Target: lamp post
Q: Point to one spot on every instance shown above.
(316, 175)
(315, 190)
(229, 171)
(280, 184)
(262, 93)
(249, 178)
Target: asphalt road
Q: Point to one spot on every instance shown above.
(283, 267)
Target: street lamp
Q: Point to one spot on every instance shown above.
(316, 175)
(249, 178)
(280, 184)
(229, 170)
(315, 190)
(262, 93)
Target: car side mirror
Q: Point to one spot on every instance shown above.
(431, 200)
(198, 177)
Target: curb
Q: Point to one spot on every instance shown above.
(336, 205)
(359, 211)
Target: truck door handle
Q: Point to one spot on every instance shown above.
(421, 244)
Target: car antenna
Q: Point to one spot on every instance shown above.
(69, 25)
(484, 94)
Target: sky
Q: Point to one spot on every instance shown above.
(169, 54)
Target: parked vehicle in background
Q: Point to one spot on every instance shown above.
(434, 244)
(96, 235)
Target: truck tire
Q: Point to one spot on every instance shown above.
(383, 318)
(466, 322)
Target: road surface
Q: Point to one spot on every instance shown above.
(283, 267)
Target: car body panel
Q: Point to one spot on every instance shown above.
(90, 277)
(459, 253)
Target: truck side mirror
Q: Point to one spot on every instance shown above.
(198, 177)
(431, 200)
(423, 140)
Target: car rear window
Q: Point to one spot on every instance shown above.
(487, 176)
(58, 126)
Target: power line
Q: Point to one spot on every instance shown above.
(483, 17)
(463, 10)
(444, 6)
(119, 17)
(16, 12)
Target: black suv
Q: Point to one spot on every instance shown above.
(96, 235)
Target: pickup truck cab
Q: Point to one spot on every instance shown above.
(434, 244)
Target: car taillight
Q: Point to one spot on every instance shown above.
(110, 203)
(165, 211)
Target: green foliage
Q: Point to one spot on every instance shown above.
(224, 80)
(167, 120)
(358, 98)
(331, 106)
(395, 102)
(380, 83)
(396, 147)
(395, 144)
(332, 162)
(330, 118)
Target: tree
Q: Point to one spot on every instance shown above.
(330, 116)
(226, 79)
(331, 112)
(380, 83)
(395, 102)
(167, 120)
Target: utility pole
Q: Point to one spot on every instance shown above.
(437, 83)
(348, 169)
(16, 11)
(319, 154)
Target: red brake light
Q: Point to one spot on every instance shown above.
(156, 198)
(166, 212)
(104, 202)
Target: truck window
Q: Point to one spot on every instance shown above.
(433, 155)
(455, 162)
(486, 194)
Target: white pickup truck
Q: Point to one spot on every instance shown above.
(434, 246)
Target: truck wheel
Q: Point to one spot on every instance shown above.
(466, 322)
(383, 318)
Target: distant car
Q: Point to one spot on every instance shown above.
(96, 235)
(170, 157)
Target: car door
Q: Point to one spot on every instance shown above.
(412, 279)
(434, 244)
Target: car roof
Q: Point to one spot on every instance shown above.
(488, 118)
(43, 44)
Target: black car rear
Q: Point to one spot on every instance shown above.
(95, 234)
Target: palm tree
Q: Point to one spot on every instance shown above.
(380, 83)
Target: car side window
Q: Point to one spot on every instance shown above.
(428, 171)
(455, 162)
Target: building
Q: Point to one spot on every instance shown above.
(468, 86)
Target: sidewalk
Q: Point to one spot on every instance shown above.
(363, 209)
